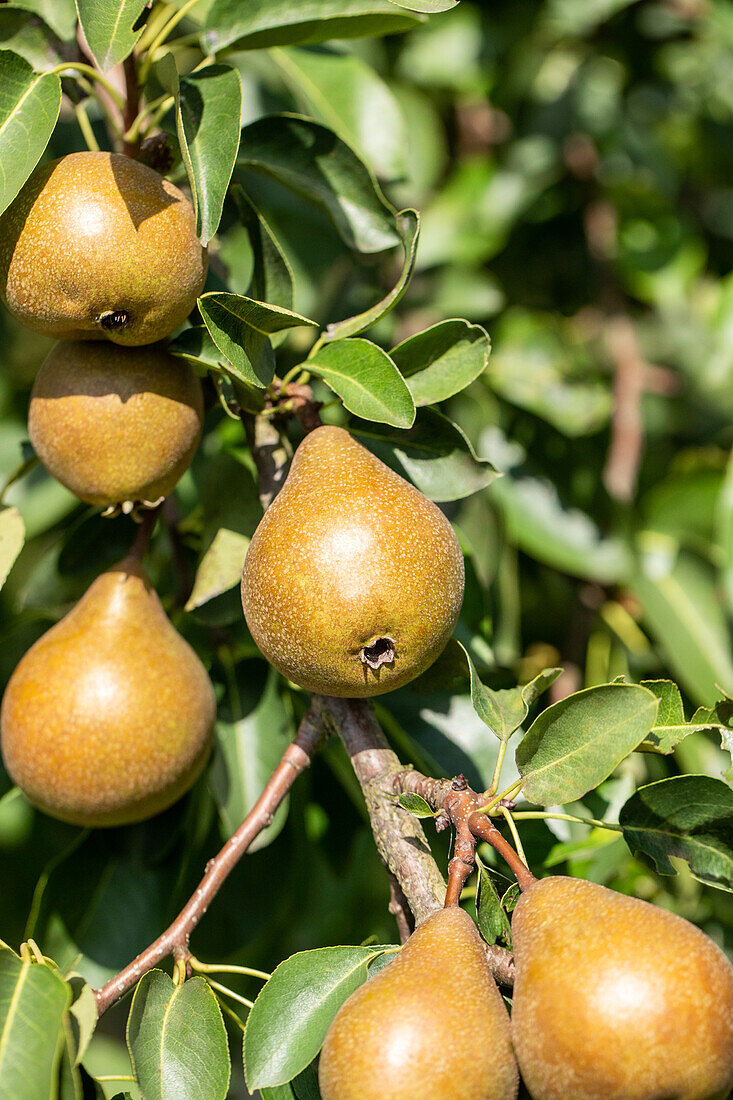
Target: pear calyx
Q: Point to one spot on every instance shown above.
(379, 652)
(114, 319)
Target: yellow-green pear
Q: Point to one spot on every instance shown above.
(616, 999)
(431, 1026)
(353, 580)
(96, 246)
(108, 718)
(115, 425)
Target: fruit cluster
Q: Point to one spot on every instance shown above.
(353, 581)
(614, 999)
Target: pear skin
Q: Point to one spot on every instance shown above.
(109, 716)
(432, 1025)
(353, 580)
(98, 246)
(616, 999)
(114, 424)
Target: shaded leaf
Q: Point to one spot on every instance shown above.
(442, 360)
(248, 751)
(59, 15)
(688, 816)
(177, 1040)
(290, 1018)
(108, 28)
(408, 225)
(33, 1000)
(434, 454)
(491, 917)
(259, 23)
(12, 537)
(220, 568)
(575, 744)
(505, 710)
(272, 278)
(29, 107)
(315, 163)
(366, 380)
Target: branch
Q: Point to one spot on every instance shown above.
(627, 429)
(174, 941)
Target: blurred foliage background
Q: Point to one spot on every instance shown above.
(573, 162)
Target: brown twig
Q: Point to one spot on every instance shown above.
(627, 429)
(400, 909)
(132, 105)
(174, 941)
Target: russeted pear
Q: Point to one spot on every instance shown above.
(108, 718)
(431, 1025)
(97, 245)
(115, 424)
(616, 999)
(353, 580)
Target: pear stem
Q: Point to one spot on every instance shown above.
(481, 826)
(144, 532)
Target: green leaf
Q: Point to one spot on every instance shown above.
(681, 605)
(312, 161)
(429, 6)
(290, 1018)
(491, 917)
(575, 744)
(434, 454)
(671, 726)
(29, 107)
(366, 380)
(28, 37)
(12, 538)
(505, 710)
(247, 754)
(343, 92)
(83, 1014)
(208, 109)
(408, 225)
(442, 360)
(33, 1000)
(272, 277)
(177, 1040)
(108, 28)
(416, 805)
(240, 327)
(254, 24)
(688, 816)
(59, 15)
(195, 345)
(220, 568)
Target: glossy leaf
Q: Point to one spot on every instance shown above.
(442, 360)
(248, 751)
(240, 327)
(33, 1000)
(408, 225)
(253, 24)
(208, 108)
(366, 380)
(575, 744)
(416, 805)
(29, 107)
(491, 917)
(290, 1018)
(12, 537)
(108, 28)
(688, 816)
(272, 278)
(319, 166)
(177, 1040)
(434, 454)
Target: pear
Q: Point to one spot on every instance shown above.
(431, 1025)
(96, 246)
(115, 425)
(108, 718)
(616, 999)
(353, 580)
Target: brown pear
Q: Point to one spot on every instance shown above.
(115, 425)
(108, 718)
(432, 1025)
(96, 246)
(616, 999)
(353, 580)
